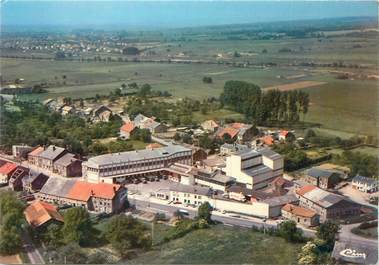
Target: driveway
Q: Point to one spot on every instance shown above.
(357, 196)
(34, 256)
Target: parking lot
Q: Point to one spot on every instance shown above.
(148, 187)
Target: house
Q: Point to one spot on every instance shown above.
(198, 153)
(67, 110)
(276, 203)
(210, 126)
(33, 155)
(21, 151)
(153, 146)
(255, 168)
(227, 149)
(246, 132)
(34, 183)
(101, 114)
(344, 171)
(6, 171)
(326, 204)
(126, 130)
(325, 179)
(267, 140)
(95, 197)
(15, 180)
(51, 104)
(285, 135)
(40, 213)
(150, 124)
(364, 184)
(300, 215)
(227, 133)
(68, 166)
(49, 155)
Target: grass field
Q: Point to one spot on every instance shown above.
(218, 245)
(339, 105)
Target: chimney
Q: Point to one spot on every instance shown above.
(92, 193)
(53, 147)
(114, 189)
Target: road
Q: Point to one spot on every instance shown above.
(216, 216)
(347, 236)
(34, 256)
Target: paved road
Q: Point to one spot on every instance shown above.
(225, 219)
(34, 256)
(347, 236)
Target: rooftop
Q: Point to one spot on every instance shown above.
(298, 211)
(317, 172)
(82, 190)
(365, 180)
(190, 189)
(323, 198)
(40, 212)
(66, 160)
(37, 151)
(136, 155)
(7, 168)
(52, 152)
(281, 200)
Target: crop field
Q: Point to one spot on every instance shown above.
(218, 245)
(343, 106)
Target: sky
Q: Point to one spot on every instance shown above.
(174, 14)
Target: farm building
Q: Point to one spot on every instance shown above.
(326, 204)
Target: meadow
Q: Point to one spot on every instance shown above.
(194, 248)
(340, 105)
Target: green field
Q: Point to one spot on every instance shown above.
(219, 245)
(339, 105)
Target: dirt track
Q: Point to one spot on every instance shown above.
(296, 85)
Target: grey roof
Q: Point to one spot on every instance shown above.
(191, 189)
(324, 198)
(136, 155)
(269, 153)
(365, 180)
(247, 153)
(240, 189)
(52, 152)
(139, 118)
(57, 186)
(66, 160)
(256, 170)
(281, 200)
(355, 252)
(316, 172)
(234, 147)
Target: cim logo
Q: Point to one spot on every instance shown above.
(351, 253)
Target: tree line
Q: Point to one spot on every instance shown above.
(260, 107)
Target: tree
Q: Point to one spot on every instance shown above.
(77, 226)
(207, 80)
(144, 90)
(177, 137)
(125, 232)
(131, 51)
(53, 236)
(327, 231)
(308, 255)
(10, 241)
(205, 212)
(289, 231)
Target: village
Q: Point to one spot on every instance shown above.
(243, 180)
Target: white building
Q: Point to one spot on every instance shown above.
(365, 184)
(255, 168)
(116, 167)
